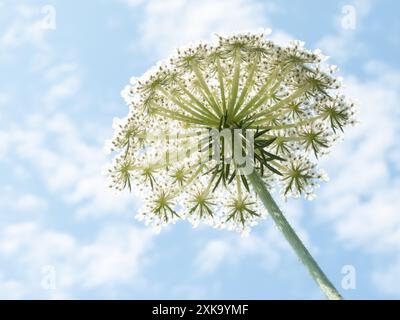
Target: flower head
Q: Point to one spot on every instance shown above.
(200, 119)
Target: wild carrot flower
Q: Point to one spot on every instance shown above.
(283, 103)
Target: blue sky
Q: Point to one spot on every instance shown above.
(63, 234)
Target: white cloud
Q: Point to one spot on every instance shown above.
(213, 255)
(361, 202)
(16, 203)
(114, 257)
(343, 44)
(62, 90)
(26, 28)
(4, 144)
(387, 280)
(336, 45)
(195, 292)
(132, 2)
(362, 196)
(55, 72)
(168, 24)
(364, 7)
(30, 202)
(63, 82)
(70, 167)
(22, 30)
(268, 246)
(280, 37)
(11, 289)
(4, 99)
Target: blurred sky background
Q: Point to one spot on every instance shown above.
(63, 234)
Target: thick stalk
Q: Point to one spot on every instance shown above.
(302, 253)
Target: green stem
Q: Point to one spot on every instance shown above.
(193, 111)
(196, 101)
(179, 117)
(256, 124)
(221, 85)
(208, 94)
(249, 107)
(235, 86)
(298, 93)
(302, 253)
(248, 85)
